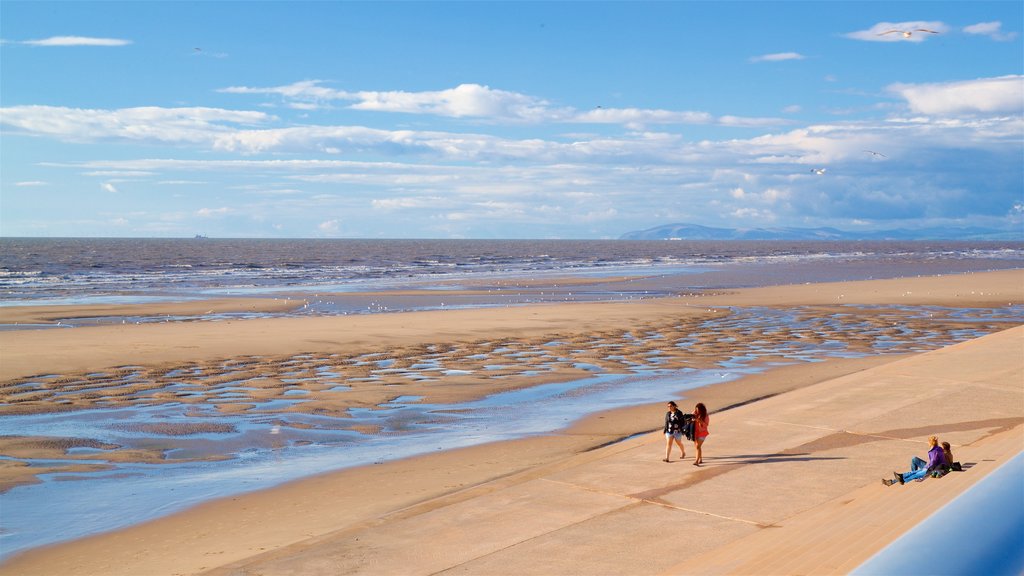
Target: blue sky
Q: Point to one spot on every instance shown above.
(507, 119)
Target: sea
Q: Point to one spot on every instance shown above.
(48, 271)
(63, 271)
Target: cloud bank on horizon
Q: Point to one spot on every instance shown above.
(500, 121)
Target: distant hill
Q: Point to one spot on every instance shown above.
(697, 232)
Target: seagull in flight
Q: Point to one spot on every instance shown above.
(908, 33)
(873, 153)
(818, 171)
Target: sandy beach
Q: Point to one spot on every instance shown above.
(791, 446)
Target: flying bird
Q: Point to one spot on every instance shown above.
(908, 33)
(818, 171)
(873, 153)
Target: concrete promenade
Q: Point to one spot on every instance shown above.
(790, 485)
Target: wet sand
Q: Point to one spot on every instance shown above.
(196, 308)
(92, 349)
(528, 346)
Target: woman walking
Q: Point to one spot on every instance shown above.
(700, 430)
(674, 422)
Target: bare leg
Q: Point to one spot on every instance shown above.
(668, 446)
(700, 455)
(682, 449)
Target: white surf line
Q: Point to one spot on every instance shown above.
(656, 503)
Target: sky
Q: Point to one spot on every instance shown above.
(507, 119)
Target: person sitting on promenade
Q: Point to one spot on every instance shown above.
(675, 421)
(951, 464)
(919, 469)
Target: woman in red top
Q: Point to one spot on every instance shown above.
(700, 430)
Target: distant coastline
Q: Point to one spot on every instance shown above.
(684, 231)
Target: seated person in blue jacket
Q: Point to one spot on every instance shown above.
(919, 468)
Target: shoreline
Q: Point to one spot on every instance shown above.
(166, 345)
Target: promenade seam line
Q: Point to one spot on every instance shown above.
(883, 437)
(712, 514)
(594, 490)
(843, 430)
(798, 425)
(524, 540)
(655, 502)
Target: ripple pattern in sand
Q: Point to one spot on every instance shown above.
(331, 384)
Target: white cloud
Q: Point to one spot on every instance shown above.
(774, 195)
(118, 173)
(463, 100)
(109, 187)
(820, 145)
(212, 212)
(897, 31)
(76, 41)
(1016, 213)
(1002, 95)
(793, 109)
(778, 57)
(28, 183)
(518, 183)
(753, 214)
(991, 29)
(483, 102)
(164, 164)
(329, 226)
(154, 124)
(406, 202)
(310, 90)
(814, 145)
(641, 116)
(743, 122)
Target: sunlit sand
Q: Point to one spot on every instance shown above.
(219, 387)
